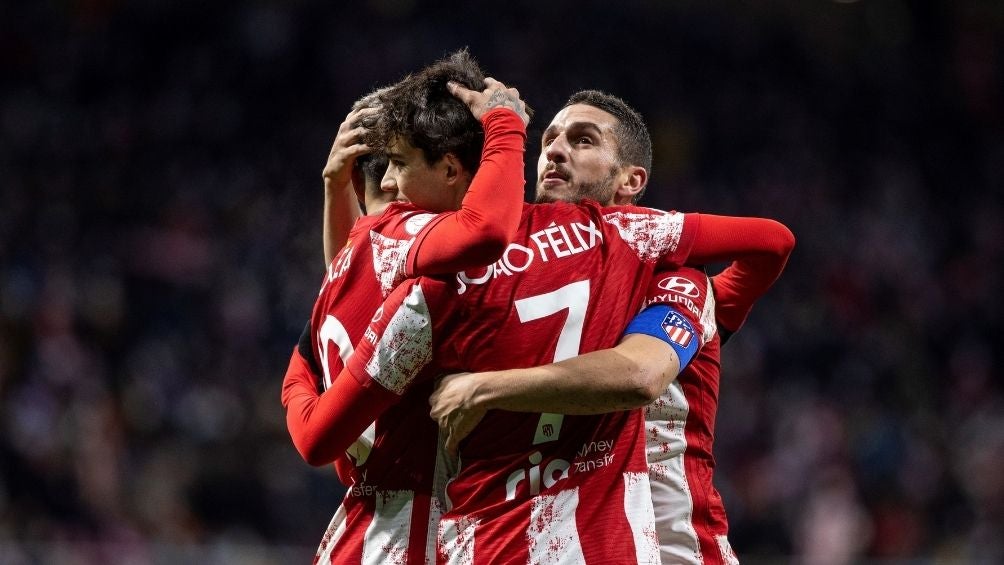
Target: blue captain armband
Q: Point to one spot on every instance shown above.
(665, 323)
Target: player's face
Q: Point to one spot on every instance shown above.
(578, 157)
(416, 180)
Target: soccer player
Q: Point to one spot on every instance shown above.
(482, 165)
(596, 240)
(677, 331)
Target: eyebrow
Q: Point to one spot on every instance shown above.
(573, 127)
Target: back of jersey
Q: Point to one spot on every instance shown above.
(355, 284)
(359, 278)
(549, 488)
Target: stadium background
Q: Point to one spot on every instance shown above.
(160, 250)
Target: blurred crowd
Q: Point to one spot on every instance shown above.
(160, 251)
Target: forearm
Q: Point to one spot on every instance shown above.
(740, 285)
(341, 210)
(323, 425)
(631, 375)
(725, 238)
(747, 279)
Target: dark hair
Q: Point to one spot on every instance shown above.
(423, 112)
(373, 165)
(634, 144)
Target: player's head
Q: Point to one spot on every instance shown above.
(433, 141)
(369, 169)
(596, 147)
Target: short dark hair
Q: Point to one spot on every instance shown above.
(634, 144)
(373, 165)
(423, 112)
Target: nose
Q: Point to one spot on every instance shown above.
(388, 182)
(557, 151)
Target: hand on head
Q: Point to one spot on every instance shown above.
(349, 145)
(495, 95)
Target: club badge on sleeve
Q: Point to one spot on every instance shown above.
(678, 329)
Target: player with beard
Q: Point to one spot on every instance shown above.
(392, 368)
(669, 360)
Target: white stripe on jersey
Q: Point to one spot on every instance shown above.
(728, 556)
(456, 540)
(665, 420)
(650, 236)
(360, 450)
(387, 535)
(638, 506)
(709, 325)
(432, 533)
(445, 469)
(405, 346)
(674, 507)
(553, 534)
(335, 531)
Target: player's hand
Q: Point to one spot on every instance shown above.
(347, 147)
(453, 408)
(495, 95)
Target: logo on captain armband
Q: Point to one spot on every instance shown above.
(678, 329)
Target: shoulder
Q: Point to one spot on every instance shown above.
(401, 220)
(632, 214)
(650, 233)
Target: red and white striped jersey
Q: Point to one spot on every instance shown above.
(541, 488)
(381, 251)
(363, 273)
(359, 278)
(679, 432)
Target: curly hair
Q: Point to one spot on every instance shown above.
(421, 110)
(634, 144)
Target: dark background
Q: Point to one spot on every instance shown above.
(160, 250)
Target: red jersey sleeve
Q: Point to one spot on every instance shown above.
(478, 233)
(760, 247)
(324, 425)
(743, 282)
(393, 351)
(724, 238)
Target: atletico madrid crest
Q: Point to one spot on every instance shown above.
(678, 329)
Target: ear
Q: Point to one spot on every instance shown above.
(359, 185)
(454, 170)
(630, 182)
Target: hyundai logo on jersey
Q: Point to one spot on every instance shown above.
(680, 285)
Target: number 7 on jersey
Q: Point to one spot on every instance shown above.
(573, 297)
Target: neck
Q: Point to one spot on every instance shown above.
(376, 206)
